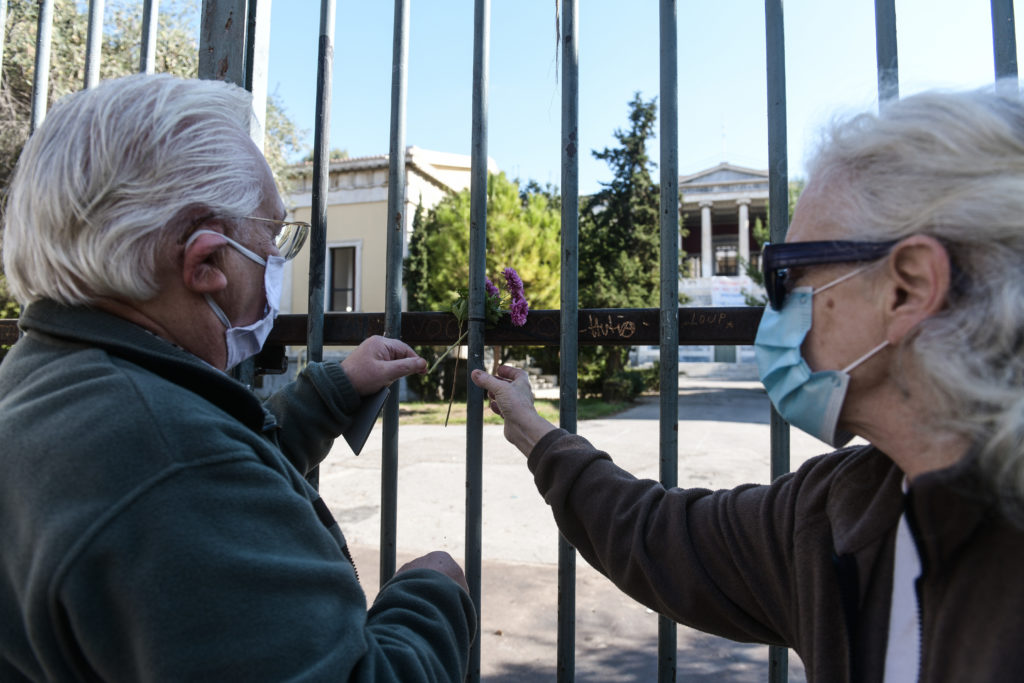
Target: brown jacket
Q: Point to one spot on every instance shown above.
(807, 561)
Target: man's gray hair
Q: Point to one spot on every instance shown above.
(951, 165)
(114, 175)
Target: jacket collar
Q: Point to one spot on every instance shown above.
(126, 340)
(866, 501)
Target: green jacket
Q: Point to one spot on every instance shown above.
(156, 524)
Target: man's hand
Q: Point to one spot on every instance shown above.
(439, 561)
(378, 362)
(511, 398)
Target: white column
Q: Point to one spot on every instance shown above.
(744, 236)
(707, 268)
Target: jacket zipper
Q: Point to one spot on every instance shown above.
(348, 556)
(919, 582)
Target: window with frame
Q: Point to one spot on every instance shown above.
(341, 296)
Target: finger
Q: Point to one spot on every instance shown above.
(509, 373)
(399, 349)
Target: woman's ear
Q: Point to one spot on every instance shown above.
(201, 272)
(918, 282)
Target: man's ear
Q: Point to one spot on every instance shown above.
(201, 271)
(919, 273)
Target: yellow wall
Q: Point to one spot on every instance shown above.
(349, 222)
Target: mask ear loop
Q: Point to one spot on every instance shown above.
(853, 366)
(844, 278)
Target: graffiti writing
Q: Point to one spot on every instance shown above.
(696, 319)
(601, 329)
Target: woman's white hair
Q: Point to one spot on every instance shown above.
(951, 165)
(114, 175)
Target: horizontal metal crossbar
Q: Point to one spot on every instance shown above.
(608, 326)
(8, 331)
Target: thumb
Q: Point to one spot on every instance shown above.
(483, 380)
(402, 367)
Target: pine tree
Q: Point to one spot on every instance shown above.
(620, 241)
(619, 231)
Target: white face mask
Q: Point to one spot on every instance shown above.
(245, 342)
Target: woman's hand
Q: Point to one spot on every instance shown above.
(511, 398)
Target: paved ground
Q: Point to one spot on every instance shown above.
(723, 437)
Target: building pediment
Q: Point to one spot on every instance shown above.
(724, 182)
(723, 173)
(364, 179)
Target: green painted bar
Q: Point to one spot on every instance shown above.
(668, 337)
(778, 193)
(886, 50)
(569, 323)
(395, 228)
(477, 267)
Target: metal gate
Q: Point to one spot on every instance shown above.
(233, 47)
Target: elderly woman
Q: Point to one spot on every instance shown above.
(896, 314)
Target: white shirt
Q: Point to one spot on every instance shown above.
(903, 652)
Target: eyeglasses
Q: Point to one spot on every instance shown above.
(777, 259)
(288, 240)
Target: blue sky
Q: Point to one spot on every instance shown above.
(830, 62)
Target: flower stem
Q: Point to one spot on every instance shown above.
(451, 395)
(447, 351)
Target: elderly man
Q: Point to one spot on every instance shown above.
(897, 314)
(155, 520)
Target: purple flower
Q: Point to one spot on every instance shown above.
(492, 290)
(517, 311)
(514, 284)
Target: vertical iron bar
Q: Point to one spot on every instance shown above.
(393, 305)
(778, 200)
(1004, 41)
(569, 328)
(669, 328)
(231, 50)
(94, 44)
(222, 43)
(886, 52)
(150, 21)
(41, 82)
(321, 173)
(477, 267)
(256, 48)
(3, 33)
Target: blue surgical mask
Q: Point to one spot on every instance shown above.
(245, 342)
(810, 401)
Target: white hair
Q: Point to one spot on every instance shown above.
(104, 187)
(951, 165)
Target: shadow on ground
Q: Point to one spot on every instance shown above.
(616, 638)
(700, 658)
(727, 404)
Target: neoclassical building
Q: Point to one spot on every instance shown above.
(357, 223)
(719, 207)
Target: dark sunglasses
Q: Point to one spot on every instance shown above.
(777, 259)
